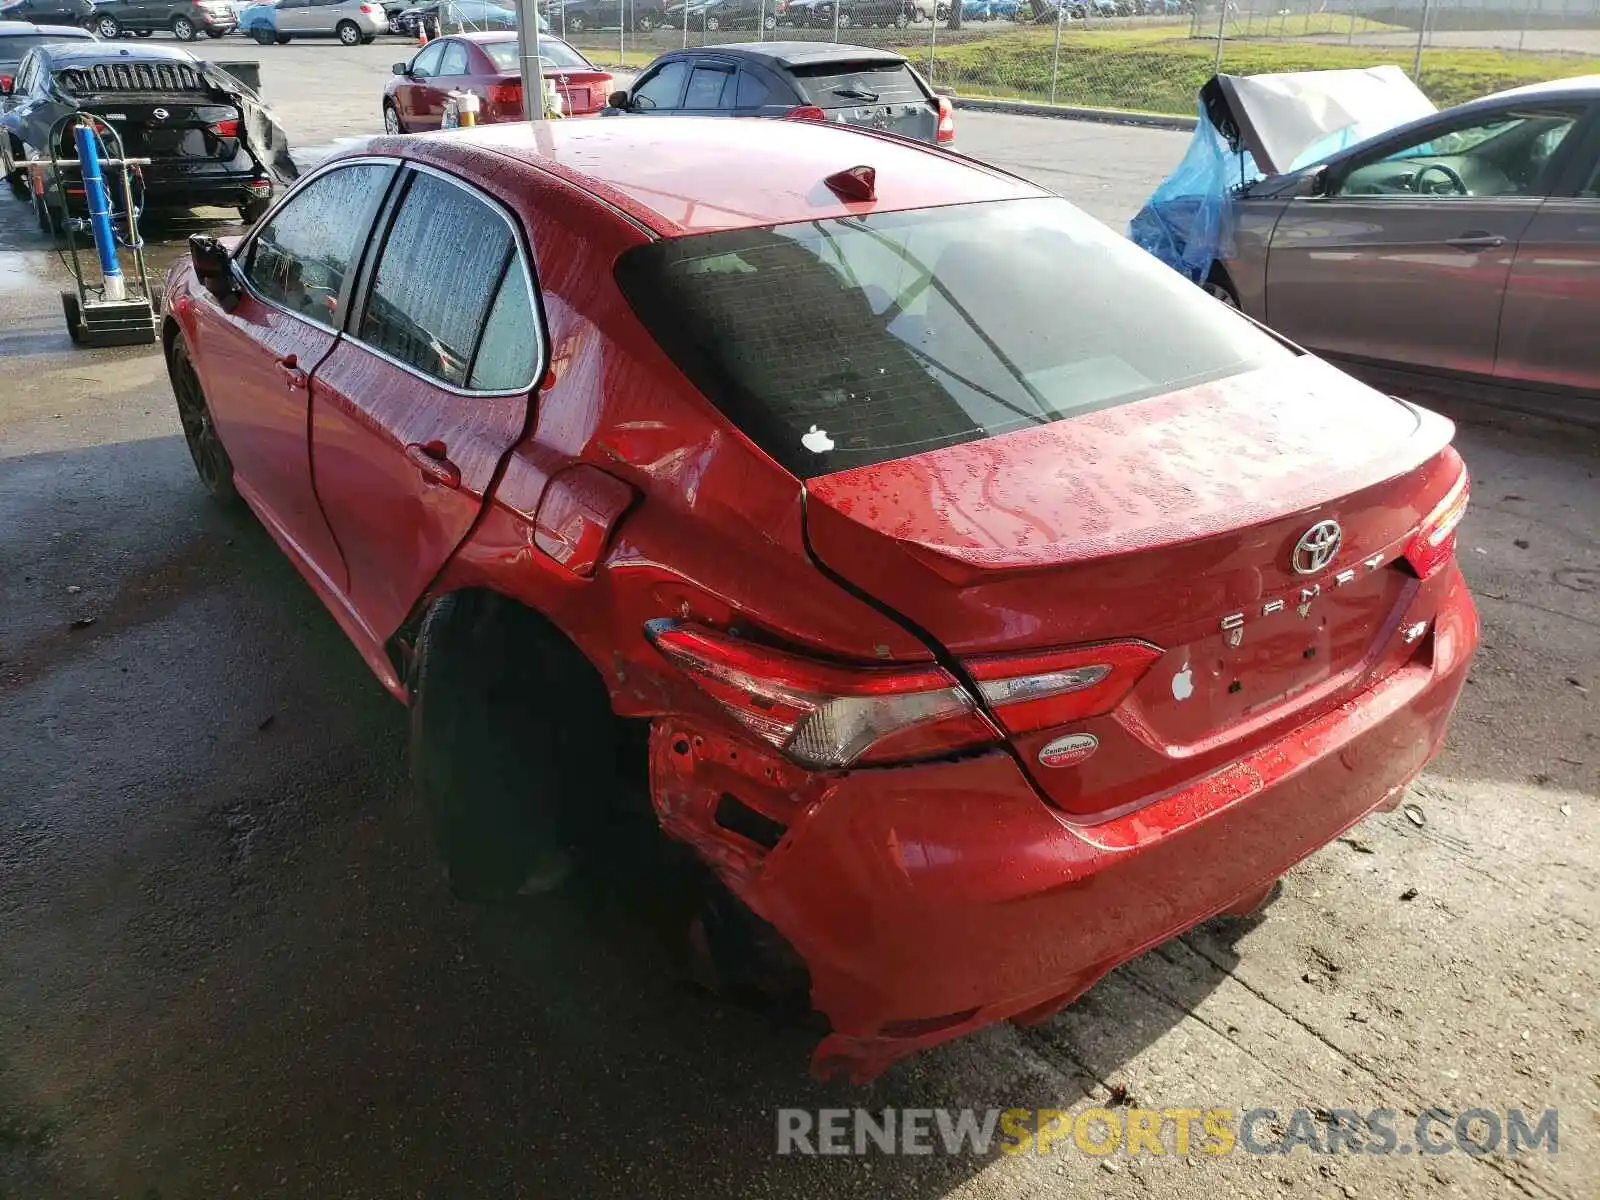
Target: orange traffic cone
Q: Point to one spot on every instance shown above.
(422, 33)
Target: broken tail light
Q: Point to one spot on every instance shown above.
(806, 112)
(1038, 691)
(226, 129)
(946, 132)
(1434, 543)
(822, 715)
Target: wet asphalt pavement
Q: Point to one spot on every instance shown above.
(228, 965)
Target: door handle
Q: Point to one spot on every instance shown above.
(429, 458)
(1476, 241)
(293, 376)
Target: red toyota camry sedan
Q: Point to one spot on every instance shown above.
(975, 647)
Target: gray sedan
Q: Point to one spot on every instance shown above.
(1463, 243)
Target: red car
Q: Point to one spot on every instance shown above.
(486, 63)
(976, 649)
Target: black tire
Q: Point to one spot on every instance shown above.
(73, 311)
(1220, 287)
(646, 23)
(253, 210)
(211, 461)
(281, 38)
(263, 36)
(512, 745)
(392, 124)
(184, 29)
(711, 24)
(576, 23)
(348, 33)
(107, 28)
(770, 22)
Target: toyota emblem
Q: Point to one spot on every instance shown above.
(1316, 548)
(159, 114)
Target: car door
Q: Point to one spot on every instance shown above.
(294, 17)
(321, 16)
(1405, 259)
(411, 96)
(454, 73)
(1548, 328)
(255, 357)
(417, 406)
(660, 90)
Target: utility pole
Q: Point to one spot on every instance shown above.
(528, 56)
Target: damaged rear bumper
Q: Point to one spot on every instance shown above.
(928, 901)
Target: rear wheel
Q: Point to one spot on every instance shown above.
(348, 32)
(108, 28)
(712, 24)
(183, 28)
(211, 460)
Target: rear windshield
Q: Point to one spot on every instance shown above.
(553, 54)
(852, 341)
(14, 49)
(847, 84)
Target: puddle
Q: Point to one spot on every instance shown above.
(20, 270)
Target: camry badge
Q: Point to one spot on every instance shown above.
(1316, 548)
(1070, 750)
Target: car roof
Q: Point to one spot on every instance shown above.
(681, 175)
(1580, 87)
(29, 29)
(797, 54)
(98, 52)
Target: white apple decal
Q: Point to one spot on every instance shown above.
(1183, 684)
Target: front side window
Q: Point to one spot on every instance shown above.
(300, 258)
(663, 88)
(1505, 156)
(426, 64)
(851, 341)
(440, 270)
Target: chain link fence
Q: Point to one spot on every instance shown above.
(1148, 56)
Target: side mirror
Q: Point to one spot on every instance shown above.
(617, 100)
(213, 265)
(1312, 184)
(401, 68)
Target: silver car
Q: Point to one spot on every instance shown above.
(353, 22)
(1403, 240)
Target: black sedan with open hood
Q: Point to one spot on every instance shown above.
(209, 138)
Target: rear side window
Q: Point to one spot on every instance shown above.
(752, 90)
(847, 84)
(706, 86)
(301, 256)
(847, 342)
(439, 272)
(455, 59)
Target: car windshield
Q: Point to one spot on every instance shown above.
(852, 341)
(845, 84)
(552, 53)
(14, 49)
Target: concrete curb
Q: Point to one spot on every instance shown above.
(1068, 112)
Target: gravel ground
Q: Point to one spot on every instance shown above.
(230, 967)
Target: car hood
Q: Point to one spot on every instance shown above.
(1291, 120)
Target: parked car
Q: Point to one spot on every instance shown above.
(1371, 228)
(440, 16)
(855, 14)
(353, 22)
(209, 138)
(576, 16)
(19, 37)
(712, 15)
(748, 466)
(185, 19)
(486, 63)
(47, 12)
(821, 81)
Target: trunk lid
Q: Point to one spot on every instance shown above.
(870, 93)
(1172, 521)
(162, 109)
